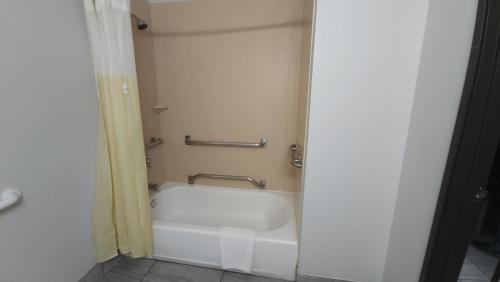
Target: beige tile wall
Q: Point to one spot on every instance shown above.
(228, 70)
(140, 8)
(146, 75)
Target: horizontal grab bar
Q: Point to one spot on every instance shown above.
(261, 144)
(155, 141)
(9, 197)
(260, 184)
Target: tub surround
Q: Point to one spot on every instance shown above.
(229, 70)
(146, 76)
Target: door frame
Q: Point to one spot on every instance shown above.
(454, 211)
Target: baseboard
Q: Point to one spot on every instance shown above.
(304, 278)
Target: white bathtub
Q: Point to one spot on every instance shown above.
(187, 219)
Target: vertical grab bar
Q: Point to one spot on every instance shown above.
(296, 156)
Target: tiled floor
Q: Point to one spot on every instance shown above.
(477, 267)
(124, 269)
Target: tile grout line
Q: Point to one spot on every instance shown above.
(477, 266)
(144, 276)
(118, 259)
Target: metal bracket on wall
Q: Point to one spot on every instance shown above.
(154, 141)
(296, 155)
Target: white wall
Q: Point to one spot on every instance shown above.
(445, 54)
(365, 64)
(47, 145)
(383, 106)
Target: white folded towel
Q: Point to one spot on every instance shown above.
(236, 248)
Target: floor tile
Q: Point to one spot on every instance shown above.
(121, 277)
(471, 272)
(239, 277)
(301, 278)
(106, 266)
(94, 275)
(129, 269)
(484, 262)
(174, 272)
(474, 251)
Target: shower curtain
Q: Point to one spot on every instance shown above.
(121, 215)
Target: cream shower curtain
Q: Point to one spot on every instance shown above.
(122, 219)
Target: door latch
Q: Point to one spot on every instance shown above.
(481, 194)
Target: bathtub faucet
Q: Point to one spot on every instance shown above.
(260, 184)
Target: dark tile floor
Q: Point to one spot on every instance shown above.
(477, 267)
(124, 269)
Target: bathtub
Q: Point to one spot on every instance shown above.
(187, 219)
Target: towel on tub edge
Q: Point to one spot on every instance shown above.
(236, 248)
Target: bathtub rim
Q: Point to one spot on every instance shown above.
(286, 234)
(175, 184)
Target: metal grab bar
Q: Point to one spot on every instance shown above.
(155, 141)
(296, 155)
(261, 144)
(260, 184)
(153, 186)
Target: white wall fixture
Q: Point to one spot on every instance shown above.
(362, 87)
(384, 97)
(9, 198)
(445, 54)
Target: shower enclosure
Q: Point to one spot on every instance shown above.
(224, 89)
